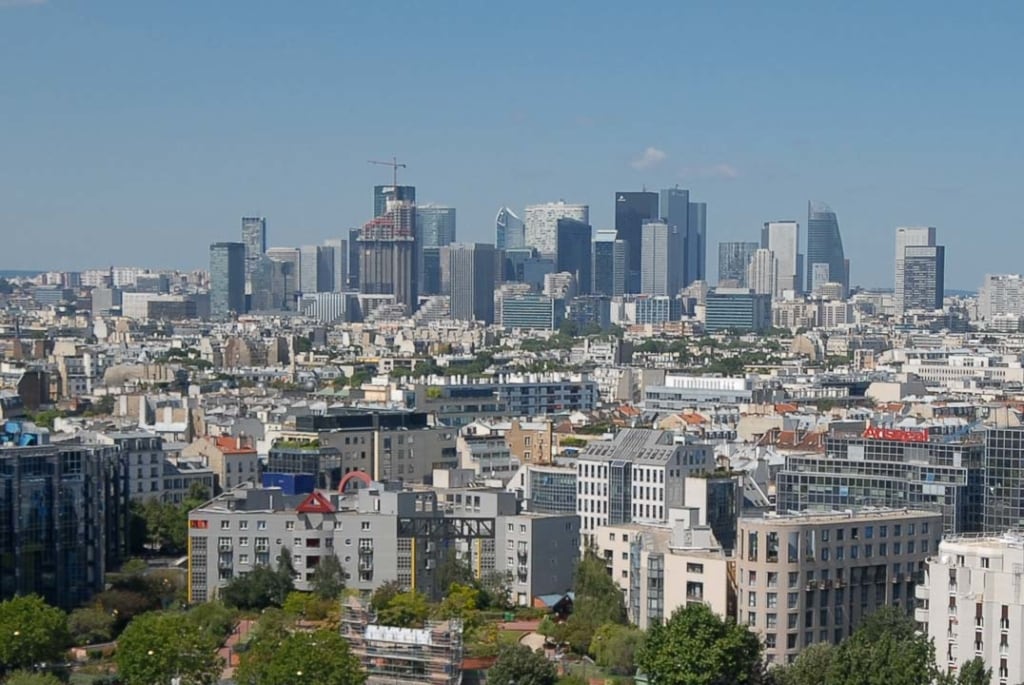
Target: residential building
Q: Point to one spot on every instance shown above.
(541, 224)
(907, 236)
(813, 577)
(736, 309)
(573, 253)
(471, 281)
(971, 604)
(611, 263)
(654, 263)
(509, 230)
(532, 442)
(733, 260)
(631, 210)
(679, 392)
(233, 459)
(762, 273)
(1000, 295)
(826, 262)
(783, 239)
(924, 269)
(227, 279)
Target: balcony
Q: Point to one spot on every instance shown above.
(921, 592)
(921, 616)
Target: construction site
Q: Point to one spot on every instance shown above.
(397, 656)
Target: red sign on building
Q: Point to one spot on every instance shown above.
(897, 435)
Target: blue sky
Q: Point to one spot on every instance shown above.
(139, 132)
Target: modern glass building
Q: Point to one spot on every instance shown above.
(736, 309)
(631, 210)
(733, 260)
(924, 268)
(552, 490)
(509, 230)
(824, 246)
(532, 312)
(783, 239)
(657, 309)
(655, 267)
(471, 281)
(435, 228)
(574, 252)
(254, 236)
(381, 195)
(1004, 480)
(227, 279)
(674, 208)
(610, 263)
(696, 243)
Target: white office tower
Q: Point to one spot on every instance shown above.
(762, 272)
(783, 239)
(972, 604)
(907, 236)
(541, 224)
(654, 258)
(339, 274)
(1001, 295)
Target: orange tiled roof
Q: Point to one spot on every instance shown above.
(230, 445)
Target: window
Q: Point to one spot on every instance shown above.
(261, 525)
(243, 542)
(751, 618)
(773, 579)
(772, 620)
(694, 568)
(751, 599)
(883, 531)
(752, 546)
(772, 600)
(751, 577)
(225, 525)
(365, 525)
(924, 528)
(289, 525)
(792, 599)
(794, 578)
(243, 525)
(984, 562)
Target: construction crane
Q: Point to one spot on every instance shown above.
(394, 164)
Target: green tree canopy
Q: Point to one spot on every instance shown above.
(328, 578)
(406, 610)
(321, 658)
(33, 632)
(159, 646)
(521, 665)
(383, 595)
(262, 587)
(213, 619)
(886, 648)
(973, 672)
(462, 602)
(30, 678)
(614, 648)
(697, 647)
(598, 601)
(90, 625)
(810, 668)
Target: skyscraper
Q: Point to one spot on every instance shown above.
(387, 254)
(353, 258)
(509, 230)
(696, 243)
(227, 279)
(824, 246)
(654, 266)
(611, 262)
(254, 236)
(907, 236)
(285, 279)
(471, 277)
(541, 224)
(923, 277)
(733, 260)
(631, 210)
(339, 262)
(574, 252)
(316, 269)
(674, 208)
(435, 228)
(382, 194)
(762, 273)
(783, 239)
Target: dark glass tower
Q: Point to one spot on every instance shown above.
(824, 247)
(574, 252)
(227, 279)
(631, 210)
(381, 195)
(675, 212)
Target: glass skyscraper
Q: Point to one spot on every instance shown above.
(227, 279)
(824, 246)
(435, 228)
(382, 194)
(573, 253)
(733, 260)
(254, 236)
(610, 263)
(509, 230)
(631, 210)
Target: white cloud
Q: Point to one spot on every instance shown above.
(650, 158)
(721, 170)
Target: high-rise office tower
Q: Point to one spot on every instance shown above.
(783, 239)
(924, 269)
(611, 262)
(733, 260)
(574, 252)
(353, 258)
(674, 207)
(824, 247)
(316, 269)
(383, 194)
(509, 230)
(227, 279)
(273, 286)
(654, 266)
(762, 275)
(387, 254)
(254, 236)
(907, 236)
(471, 281)
(631, 210)
(339, 262)
(541, 224)
(697, 243)
(286, 278)
(435, 228)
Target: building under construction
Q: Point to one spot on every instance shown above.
(399, 656)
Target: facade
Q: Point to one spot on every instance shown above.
(824, 249)
(907, 236)
(807, 578)
(971, 604)
(783, 239)
(435, 228)
(532, 442)
(762, 273)
(339, 263)
(574, 252)
(631, 210)
(387, 254)
(1004, 479)
(254, 237)
(316, 269)
(227, 279)
(611, 263)
(233, 460)
(509, 230)
(541, 224)
(1000, 295)
(674, 210)
(923, 277)
(532, 312)
(653, 310)
(472, 279)
(696, 244)
(545, 489)
(654, 262)
(733, 260)
(682, 392)
(64, 516)
(384, 194)
(736, 309)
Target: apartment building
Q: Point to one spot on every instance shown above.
(812, 577)
(233, 459)
(971, 604)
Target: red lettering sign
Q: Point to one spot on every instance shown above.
(897, 435)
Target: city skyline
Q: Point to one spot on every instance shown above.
(101, 146)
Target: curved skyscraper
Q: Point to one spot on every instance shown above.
(508, 230)
(824, 248)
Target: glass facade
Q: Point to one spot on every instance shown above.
(227, 279)
(631, 209)
(824, 247)
(733, 260)
(552, 493)
(1004, 479)
(573, 253)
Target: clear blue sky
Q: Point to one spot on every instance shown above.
(137, 132)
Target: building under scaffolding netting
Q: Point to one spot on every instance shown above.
(399, 656)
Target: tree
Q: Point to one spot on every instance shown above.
(328, 578)
(972, 672)
(383, 595)
(321, 657)
(598, 601)
(90, 625)
(462, 602)
(134, 567)
(614, 648)
(34, 632)
(406, 610)
(159, 646)
(697, 647)
(213, 618)
(260, 588)
(124, 605)
(886, 648)
(30, 678)
(521, 665)
(810, 668)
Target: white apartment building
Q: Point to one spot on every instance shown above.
(1001, 295)
(948, 367)
(542, 224)
(972, 604)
